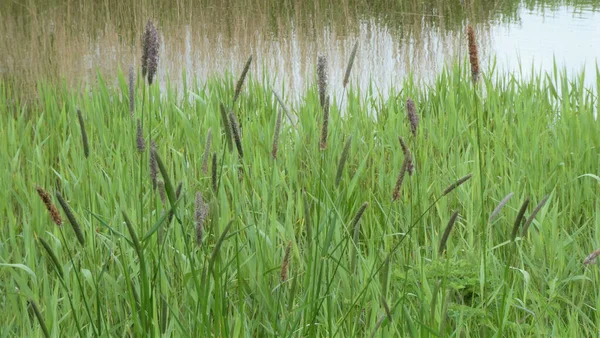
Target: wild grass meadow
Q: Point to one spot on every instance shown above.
(461, 208)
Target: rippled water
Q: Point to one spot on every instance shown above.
(66, 40)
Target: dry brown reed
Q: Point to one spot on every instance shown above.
(54, 213)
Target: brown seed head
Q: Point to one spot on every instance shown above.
(286, 262)
(413, 118)
(473, 53)
(240, 83)
(325, 126)
(54, 213)
(150, 49)
(322, 79)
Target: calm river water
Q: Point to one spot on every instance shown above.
(68, 40)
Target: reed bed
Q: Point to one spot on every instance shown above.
(338, 243)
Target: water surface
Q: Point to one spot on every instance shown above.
(69, 41)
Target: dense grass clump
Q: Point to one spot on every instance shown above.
(283, 236)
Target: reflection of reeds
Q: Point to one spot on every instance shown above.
(473, 53)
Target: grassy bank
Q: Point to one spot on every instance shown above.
(353, 269)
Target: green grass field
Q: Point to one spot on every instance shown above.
(141, 272)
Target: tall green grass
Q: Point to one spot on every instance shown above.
(355, 262)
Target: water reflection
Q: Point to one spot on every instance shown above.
(69, 40)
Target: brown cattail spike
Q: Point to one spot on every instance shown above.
(71, 218)
(413, 118)
(286, 262)
(400, 179)
(276, 134)
(350, 64)
(139, 140)
(54, 214)
(322, 79)
(456, 184)
(206, 151)
(150, 49)
(447, 232)
(131, 85)
(84, 138)
(410, 166)
(240, 83)
(325, 126)
(519, 220)
(153, 164)
(342, 162)
(473, 53)
(200, 216)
